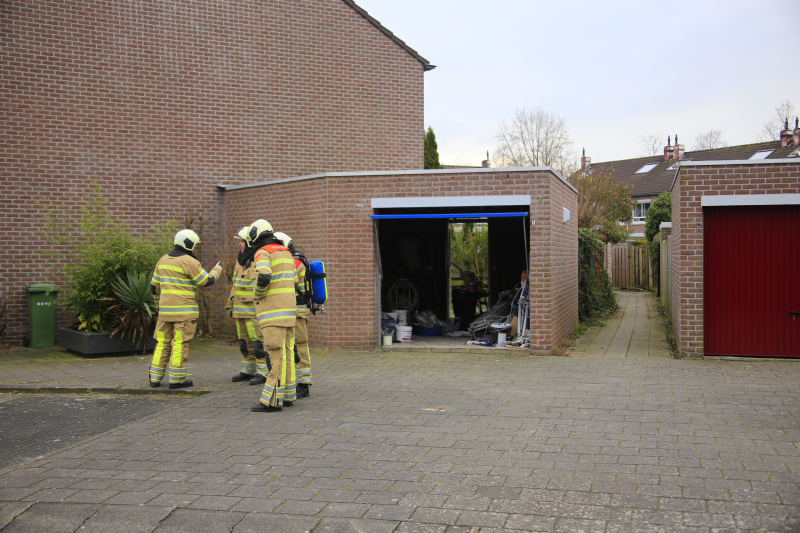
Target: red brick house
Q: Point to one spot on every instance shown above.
(228, 108)
(161, 102)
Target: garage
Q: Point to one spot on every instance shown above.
(752, 280)
(373, 229)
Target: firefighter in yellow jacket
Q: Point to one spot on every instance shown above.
(176, 280)
(243, 311)
(275, 309)
(303, 359)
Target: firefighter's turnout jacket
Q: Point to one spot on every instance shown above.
(275, 303)
(176, 279)
(244, 282)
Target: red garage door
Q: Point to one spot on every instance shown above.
(751, 281)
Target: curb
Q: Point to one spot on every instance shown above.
(55, 389)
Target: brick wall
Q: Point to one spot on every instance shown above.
(159, 101)
(692, 184)
(340, 232)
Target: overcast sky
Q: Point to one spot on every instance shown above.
(615, 70)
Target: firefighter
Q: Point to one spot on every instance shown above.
(302, 353)
(275, 309)
(176, 280)
(243, 311)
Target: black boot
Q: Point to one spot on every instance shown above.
(261, 408)
(155, 384)
(303, 391)
(184, 384)
(258, 379)
(241, 376)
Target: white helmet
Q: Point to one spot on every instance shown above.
(187, 239)
(258, 228)
(243, 234)
(285, 239)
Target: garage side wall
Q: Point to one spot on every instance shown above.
(563, 260)
(298, 209)
(692, 183)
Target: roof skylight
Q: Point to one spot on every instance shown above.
(762, 154)
(647, 168)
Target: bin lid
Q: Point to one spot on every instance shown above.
(41, 287)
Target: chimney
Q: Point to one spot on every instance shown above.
(668, 149)
(677, 149)
(786, 134)
(485, 162)
(586, 162)
(796, 133)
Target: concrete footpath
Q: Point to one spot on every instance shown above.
(616, 437)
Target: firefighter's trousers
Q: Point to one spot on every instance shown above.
(303, 353)
(251, 345)
(174, 340)
(280, 385)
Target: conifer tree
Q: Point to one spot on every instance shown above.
(431, 150)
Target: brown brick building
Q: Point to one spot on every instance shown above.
(734, 278)
(160, 102)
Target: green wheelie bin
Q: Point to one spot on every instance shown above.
(41, 315)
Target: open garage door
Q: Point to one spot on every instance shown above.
(413, 238)
(751, 280)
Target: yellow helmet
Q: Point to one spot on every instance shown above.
(258, 228)
(285, 239)
(243, 234)
(187, 239)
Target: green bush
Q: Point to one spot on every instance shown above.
(660, 211)
(595, 296)
(92, 250)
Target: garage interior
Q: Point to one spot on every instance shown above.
(413, 238)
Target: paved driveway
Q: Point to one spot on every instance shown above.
(616, 437)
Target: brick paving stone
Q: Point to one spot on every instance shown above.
(51, 517)
(125, 519)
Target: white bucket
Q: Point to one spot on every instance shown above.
(402, 316)
(501, 340)
(387, 339)
(394, 316)
(404, 333)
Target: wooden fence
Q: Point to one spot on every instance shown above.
(630, 266)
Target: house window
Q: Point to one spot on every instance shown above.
(640, 212)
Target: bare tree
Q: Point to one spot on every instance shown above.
(651, 143)
(771, 131)
(709, 140)
(535, 138)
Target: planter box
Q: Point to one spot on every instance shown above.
(99, 343)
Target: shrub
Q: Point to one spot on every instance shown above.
(91, 250)
(595, 296)
(660, 211)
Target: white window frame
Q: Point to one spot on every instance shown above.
(641, 220)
